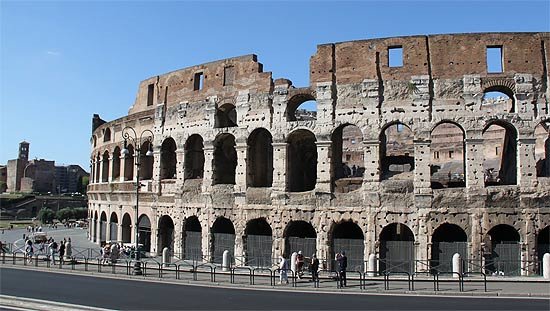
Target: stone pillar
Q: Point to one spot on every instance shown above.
(526, 166)
(422, 178)
(121, 168)
(422, 238)
(371, 177)
(208, 169)
(178, 251)
(100, 173)
(155, 178)
(240, 170)
(180, 167)
(324, 155)
(474, 164)
(111, 161)
(279, 171)
(239, 250)
(325, 102)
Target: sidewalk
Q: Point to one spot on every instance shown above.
(262, 279)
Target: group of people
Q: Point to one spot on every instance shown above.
(32, 229)
(314, 266)
(112, 252)
(53, 249)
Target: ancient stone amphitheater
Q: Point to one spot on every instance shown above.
(408, 156)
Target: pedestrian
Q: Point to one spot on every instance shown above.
(53, 250)
(342, 266)
(29, 250)
(283, 267)
(299, 264)
(314, 267)
(61, 251)
(114, 253)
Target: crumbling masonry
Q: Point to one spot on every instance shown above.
(236, 168)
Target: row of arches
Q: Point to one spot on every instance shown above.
(397, 160)
(501, 245)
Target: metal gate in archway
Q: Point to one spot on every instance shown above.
(220, 243)
(192, 245)
(445, 252)
(113, 231)
(258, 250)
(308, 246)
(102, 231)
(397, 256)
(354, 249)
(504, 259)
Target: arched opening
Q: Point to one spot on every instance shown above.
(144, 232)
(129, 164)
(166, 233)
(300, 236)
(105, 167)
(113, 227)
(348, 237)
(192, 239)
(301, 107)
(116, 164)
(94, 141)
(397, 153)
(542, 149)
(302, 161)
(543, 245)
(260, 159)
(497, 100)
(500, 154)
(168, 159)
(146, 162)
(92, 171)
(126, 228)
(258, 241)
(447, 158)
(226, 116)
(447, 240)
(194, 157)
(347, 158)
(223, 238)
(103, 228)
(98, 161)
(95, 222)
(225, 160)
(502, 251)
(107, 135)
(397, 249)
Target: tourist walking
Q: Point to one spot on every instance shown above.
(342, 261)
(299, 264)
(52, 247)
(62, 250)
(314, 268)
(29, 250)
(283, 267)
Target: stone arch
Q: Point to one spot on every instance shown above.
(302, 161)
(296, 101)
(502, 250)
(348, 237)
(129, 163)
(258, 242)
(397, 152)
(144, 231)
(542, 149)
(194, 157)
(165, 233)
(168, 160)
(447, 164)
(103, 227)
(146, 162)
(347, 163)
(299, 236)
(94, 141)
(107, 135)
(226, 116)
(115, 173)
(192, 238)
(448, 239)
(260, 158)
(105, 166)
(500, 153)
(500, 105)
(222, 238)
(113, 227)
(225, 160)
(98, 167)
(126, 228)
(396, 248)
(543, 245)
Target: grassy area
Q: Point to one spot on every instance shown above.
(5, 224)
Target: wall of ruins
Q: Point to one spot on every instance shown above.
(442, 80)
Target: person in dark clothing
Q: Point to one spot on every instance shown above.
(314, 267)
(61, 250)
(342, 266)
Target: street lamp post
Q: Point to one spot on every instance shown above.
(129, 133)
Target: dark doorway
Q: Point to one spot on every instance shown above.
(348, 237)
(194, 157)
(225, 160)
(103, 228)
(397, 249)
(302, 161)
(192, 239)
(258, 243)
(144, 231)
(168, 159)
(166, 234)
(447, 240)
(300, 236)
(502, 251)
(543, 245)
(126, 228)
(260, 159)
(113, 227)
(223, 238)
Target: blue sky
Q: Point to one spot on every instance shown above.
(61, 62)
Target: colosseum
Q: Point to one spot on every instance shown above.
(406, 155)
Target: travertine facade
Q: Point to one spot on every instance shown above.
(230, 157)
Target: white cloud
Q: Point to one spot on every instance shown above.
(53, 53)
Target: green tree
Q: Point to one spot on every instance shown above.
(46, 215)
(80, 213)
(65, 214)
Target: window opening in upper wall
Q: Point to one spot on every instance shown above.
(199, 81)
(494, 59)
(150, 92)
(395, 56)
(228, 75)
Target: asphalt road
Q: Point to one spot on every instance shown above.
(139, 295)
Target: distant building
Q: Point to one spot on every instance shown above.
(3, 178)
(39, 175)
